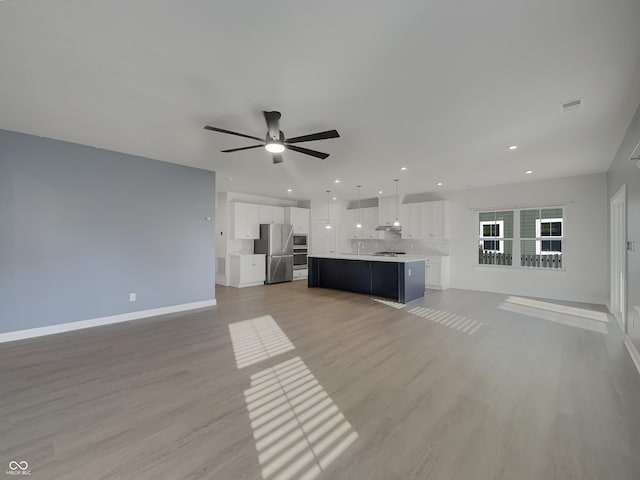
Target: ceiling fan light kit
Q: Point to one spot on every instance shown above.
(275, 141)
(274, 147)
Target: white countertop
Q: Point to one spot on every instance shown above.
(375, 258)
(246, 254)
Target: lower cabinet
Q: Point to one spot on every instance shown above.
(300, 274)
(371, 278)
(246, 270)
(397, 280)
(384, 279)
(436, 273)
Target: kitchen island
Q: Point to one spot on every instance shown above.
(397, 277)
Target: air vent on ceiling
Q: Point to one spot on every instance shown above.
(572, 105)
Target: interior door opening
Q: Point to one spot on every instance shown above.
(618, 215)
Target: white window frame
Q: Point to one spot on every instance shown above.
(540, 238)
(517, 238)
(499, 239)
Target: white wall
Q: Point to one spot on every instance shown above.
(585, 259)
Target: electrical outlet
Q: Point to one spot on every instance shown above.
(132, 297)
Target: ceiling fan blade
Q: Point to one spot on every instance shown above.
(222, 130)
(277, 158)
(273, 123)
(241, 148)
(306, 151)
(314, 136)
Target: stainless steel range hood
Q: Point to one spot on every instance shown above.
(388, 228)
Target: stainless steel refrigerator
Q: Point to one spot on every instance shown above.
(276, 242)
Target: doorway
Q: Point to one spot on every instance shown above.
(618, 215)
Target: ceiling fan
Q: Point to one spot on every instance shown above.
(275, 142)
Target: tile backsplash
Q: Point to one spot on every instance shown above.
(239, 247)
(393, 242)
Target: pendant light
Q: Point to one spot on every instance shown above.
(359, 224)
(328, 225)
(396, 223)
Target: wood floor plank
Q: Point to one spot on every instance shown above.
(522, 397)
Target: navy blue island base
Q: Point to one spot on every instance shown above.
(402, 281)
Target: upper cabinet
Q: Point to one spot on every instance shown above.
(387, 210)
(298, 218)
(245, 220)
(428, 220)
(414, 220)
(368, 218)
(438, 219)
(271, 214)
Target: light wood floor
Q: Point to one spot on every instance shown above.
(521, 398)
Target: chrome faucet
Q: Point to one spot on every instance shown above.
(358, 248)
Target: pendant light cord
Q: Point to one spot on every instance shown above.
(397, 200)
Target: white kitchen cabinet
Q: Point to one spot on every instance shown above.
(387, 210)
(298, 218)
(436, 273)
(246, 270)
(301, 274)
(271, 214)
(245, 220)
(370, 222)
(414, 220)
(277, 214)
(426, 220)
(368, 218)
(438, 219)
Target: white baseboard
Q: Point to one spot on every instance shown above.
(243, 285)
(633, 352)
(97, 322)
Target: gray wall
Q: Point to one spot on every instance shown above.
(624, 171)
(81, 228)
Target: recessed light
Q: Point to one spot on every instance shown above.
(335, 198)
(528, 172)
(289, 190)
(513, 147)
(439, 184)
(403, 168)
(379, 191)
(336, 181)
(228, 179)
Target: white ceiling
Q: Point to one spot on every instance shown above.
(442, 87)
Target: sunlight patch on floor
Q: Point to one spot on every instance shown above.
(569, 320)
(448, 319)
(257, 339)
(389, 303)
(298, 429)
(554, 307)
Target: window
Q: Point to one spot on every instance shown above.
(536, 235)
(549, 233)
(492, 229)
(495, 238)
